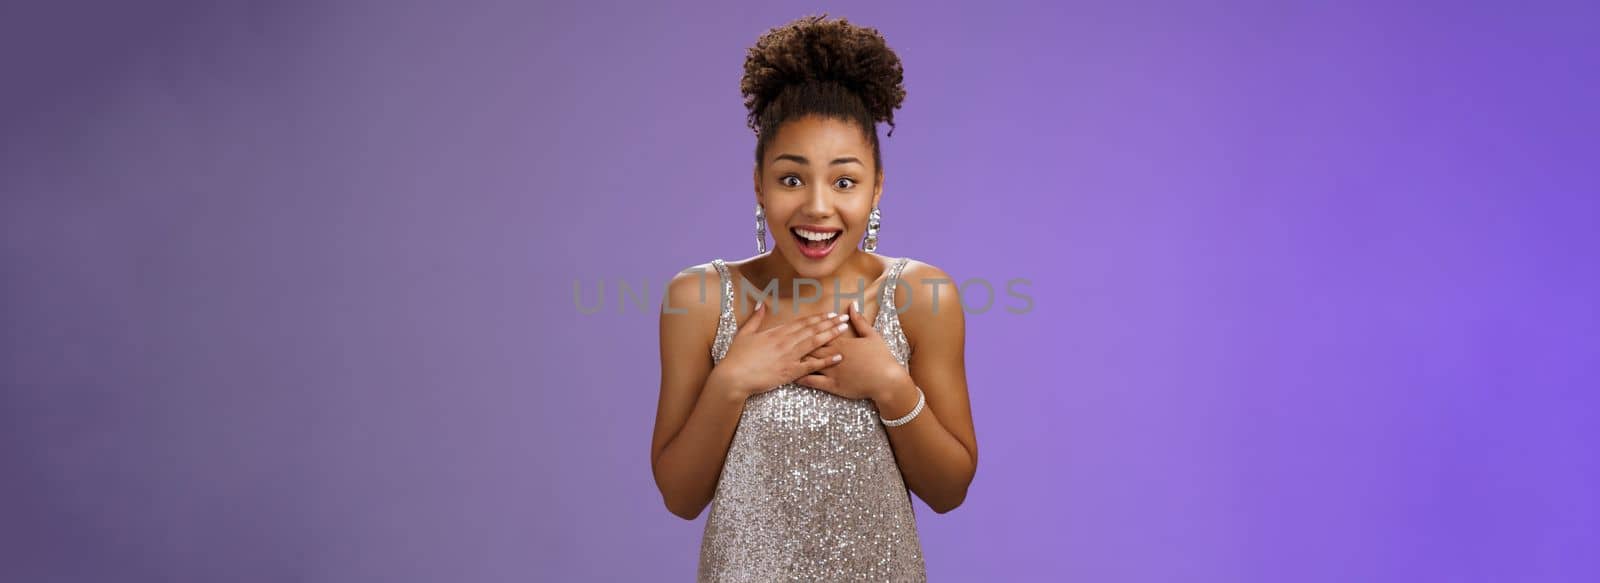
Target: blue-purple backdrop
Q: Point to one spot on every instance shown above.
(288, 285)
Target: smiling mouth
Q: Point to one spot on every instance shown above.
(815, 240)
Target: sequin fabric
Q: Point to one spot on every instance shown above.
(810, 490)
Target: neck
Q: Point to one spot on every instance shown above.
(854, 275)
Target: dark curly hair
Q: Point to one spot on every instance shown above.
(815, 66)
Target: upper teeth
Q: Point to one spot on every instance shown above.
(813, 235)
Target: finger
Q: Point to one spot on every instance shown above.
(754, 322)
(820, 334)
(817, 381)
(825, 351)
(799, 329)
(799, 326)
(814, 364)
(861, 322)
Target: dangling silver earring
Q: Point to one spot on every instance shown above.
(874, 220)
(761, 230)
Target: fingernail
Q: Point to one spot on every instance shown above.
(844, 318)
(843, 327)
(831, 314)
(838, 357)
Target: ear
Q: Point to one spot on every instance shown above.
(877, 189)
(755, 182)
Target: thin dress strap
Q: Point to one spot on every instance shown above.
(888, 320)
(886, 305)
(727, 323)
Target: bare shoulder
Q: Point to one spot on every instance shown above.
(693, 300)
(929, 304)
(925, 289)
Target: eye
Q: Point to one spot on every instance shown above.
(844, 183)
(790, 181)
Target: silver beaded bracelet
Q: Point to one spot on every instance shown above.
(917, 410)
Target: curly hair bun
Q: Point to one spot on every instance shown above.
(800, 65)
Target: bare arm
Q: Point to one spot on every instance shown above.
(696, 415)
(938, 451)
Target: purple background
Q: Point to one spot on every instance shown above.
(288, 285)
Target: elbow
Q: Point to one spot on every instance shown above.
(672, 497)
(954, 499)
(684, 510)
(682, 506)
(952, 503)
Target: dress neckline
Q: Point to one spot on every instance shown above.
(886, 322)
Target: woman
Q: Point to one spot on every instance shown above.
(827, 383)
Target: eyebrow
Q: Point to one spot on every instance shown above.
(802, 160)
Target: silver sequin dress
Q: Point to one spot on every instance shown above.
(810, 490)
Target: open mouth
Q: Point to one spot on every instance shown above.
(816, 242)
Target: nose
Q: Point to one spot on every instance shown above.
(819, 203)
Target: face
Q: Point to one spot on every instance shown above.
(816, 185)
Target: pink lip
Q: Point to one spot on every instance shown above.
(818, 253)
(819, 228)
